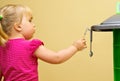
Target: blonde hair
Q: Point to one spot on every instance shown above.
(11, 14)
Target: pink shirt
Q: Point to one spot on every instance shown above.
(17, 60)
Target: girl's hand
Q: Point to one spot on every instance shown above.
(80, 44)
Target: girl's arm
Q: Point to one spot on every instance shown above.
(58, 57)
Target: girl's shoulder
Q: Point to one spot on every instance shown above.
(25, 43)
(35, 42)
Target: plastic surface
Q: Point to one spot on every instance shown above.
(108, 25)
(116, 54)
(118, 8)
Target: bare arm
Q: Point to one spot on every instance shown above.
(60, 56)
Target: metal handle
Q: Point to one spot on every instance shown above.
(87, 29)
(91, 37)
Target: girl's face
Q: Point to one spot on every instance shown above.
(28, 28)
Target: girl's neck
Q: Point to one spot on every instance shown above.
(15, 36)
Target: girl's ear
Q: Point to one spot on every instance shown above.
(17, 27)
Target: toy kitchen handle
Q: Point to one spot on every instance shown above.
(91, 37)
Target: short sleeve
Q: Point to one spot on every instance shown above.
(34, 44)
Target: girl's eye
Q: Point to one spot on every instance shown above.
(30, 20)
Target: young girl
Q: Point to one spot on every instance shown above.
(18, 54)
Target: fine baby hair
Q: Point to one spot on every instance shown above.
(9, 15)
